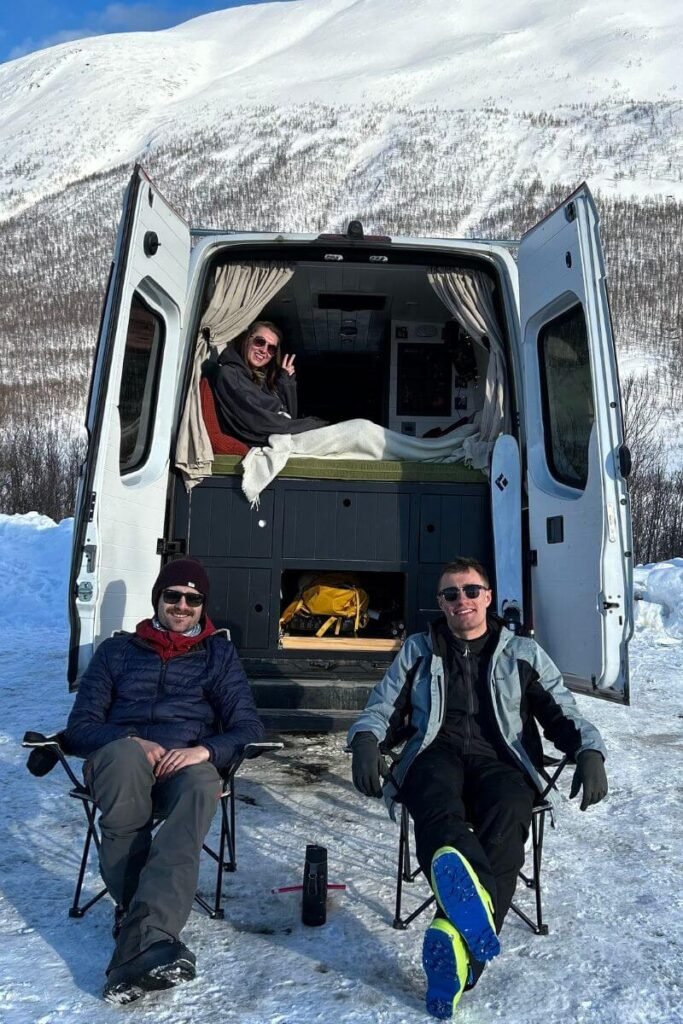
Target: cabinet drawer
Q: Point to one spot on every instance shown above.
(346, 525)
(454, 524)
(224, 526)
(240, 598)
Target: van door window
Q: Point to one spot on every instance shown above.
(567, 395)
(139, 383)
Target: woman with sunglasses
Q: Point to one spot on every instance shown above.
(254, 385)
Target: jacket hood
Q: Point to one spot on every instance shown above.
(231, 357)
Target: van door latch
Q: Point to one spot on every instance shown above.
(608, 605)
(171, 547)
(84, 591)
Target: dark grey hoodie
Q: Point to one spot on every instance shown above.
(250, 411)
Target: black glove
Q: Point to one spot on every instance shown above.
(367, 764)
(590, 773)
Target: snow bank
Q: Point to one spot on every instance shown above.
(659, 589)
(36, 552)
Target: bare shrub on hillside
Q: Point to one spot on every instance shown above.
(39, 471)
(658, 522)
(656, 495)
(429, 172)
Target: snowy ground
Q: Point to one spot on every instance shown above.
(612, 875)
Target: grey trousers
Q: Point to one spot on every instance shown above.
(154, 878)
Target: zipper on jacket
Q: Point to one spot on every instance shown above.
(470, 700)
(160, 685)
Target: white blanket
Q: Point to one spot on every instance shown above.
(359, 439)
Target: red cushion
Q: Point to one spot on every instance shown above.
(222, 444)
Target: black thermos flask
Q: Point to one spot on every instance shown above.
(314, 902)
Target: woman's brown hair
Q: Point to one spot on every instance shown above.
(272, 369)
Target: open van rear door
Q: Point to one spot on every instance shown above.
(121, 501)
(579, 519)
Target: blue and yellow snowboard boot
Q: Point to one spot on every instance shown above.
(446, 964)
(465, 902)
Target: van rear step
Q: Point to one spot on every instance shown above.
(315, 695)
(310, 705)
(280, 721)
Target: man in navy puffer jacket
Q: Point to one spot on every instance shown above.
(158, 714)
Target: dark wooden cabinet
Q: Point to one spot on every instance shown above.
(407, 529)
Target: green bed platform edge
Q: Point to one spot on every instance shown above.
(361, 469)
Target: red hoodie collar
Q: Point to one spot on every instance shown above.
(168, 644)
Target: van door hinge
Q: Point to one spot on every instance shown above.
(532, 557)
(171, 547)
(91, 506)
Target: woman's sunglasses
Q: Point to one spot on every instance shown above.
(470, 590)
(176, 596)
(260, 342)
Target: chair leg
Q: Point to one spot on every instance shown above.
(226, 841)
(405, 873)
(398, 920)
(537, 851)
(76, 909)
(231, 865)
(534, 882)
(218, 910)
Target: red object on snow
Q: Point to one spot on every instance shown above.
(299, 888)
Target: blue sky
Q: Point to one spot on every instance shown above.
(27, 25)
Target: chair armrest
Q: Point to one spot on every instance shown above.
(552, 779)
(38, 739)
(253, 750)
(46, 751)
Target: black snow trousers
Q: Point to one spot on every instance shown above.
(446, 792)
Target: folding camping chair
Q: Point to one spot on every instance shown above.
(47, 751)
(405, 873)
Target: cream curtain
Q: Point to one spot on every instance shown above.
(241, 290)
(468, 295)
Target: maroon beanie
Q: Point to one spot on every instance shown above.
(184, 572)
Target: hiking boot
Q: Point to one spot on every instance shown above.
(182, 968)
(465, 902)
(160, 966)
(446, 963)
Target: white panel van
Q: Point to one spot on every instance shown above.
(419, 335)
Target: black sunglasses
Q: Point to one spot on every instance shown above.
(176, 596)
(260, 342)
(470, 590)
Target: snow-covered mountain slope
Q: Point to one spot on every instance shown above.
(86, 106)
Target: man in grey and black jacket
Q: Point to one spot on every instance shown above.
(467, 694)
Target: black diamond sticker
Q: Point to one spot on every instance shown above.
(501, 482)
